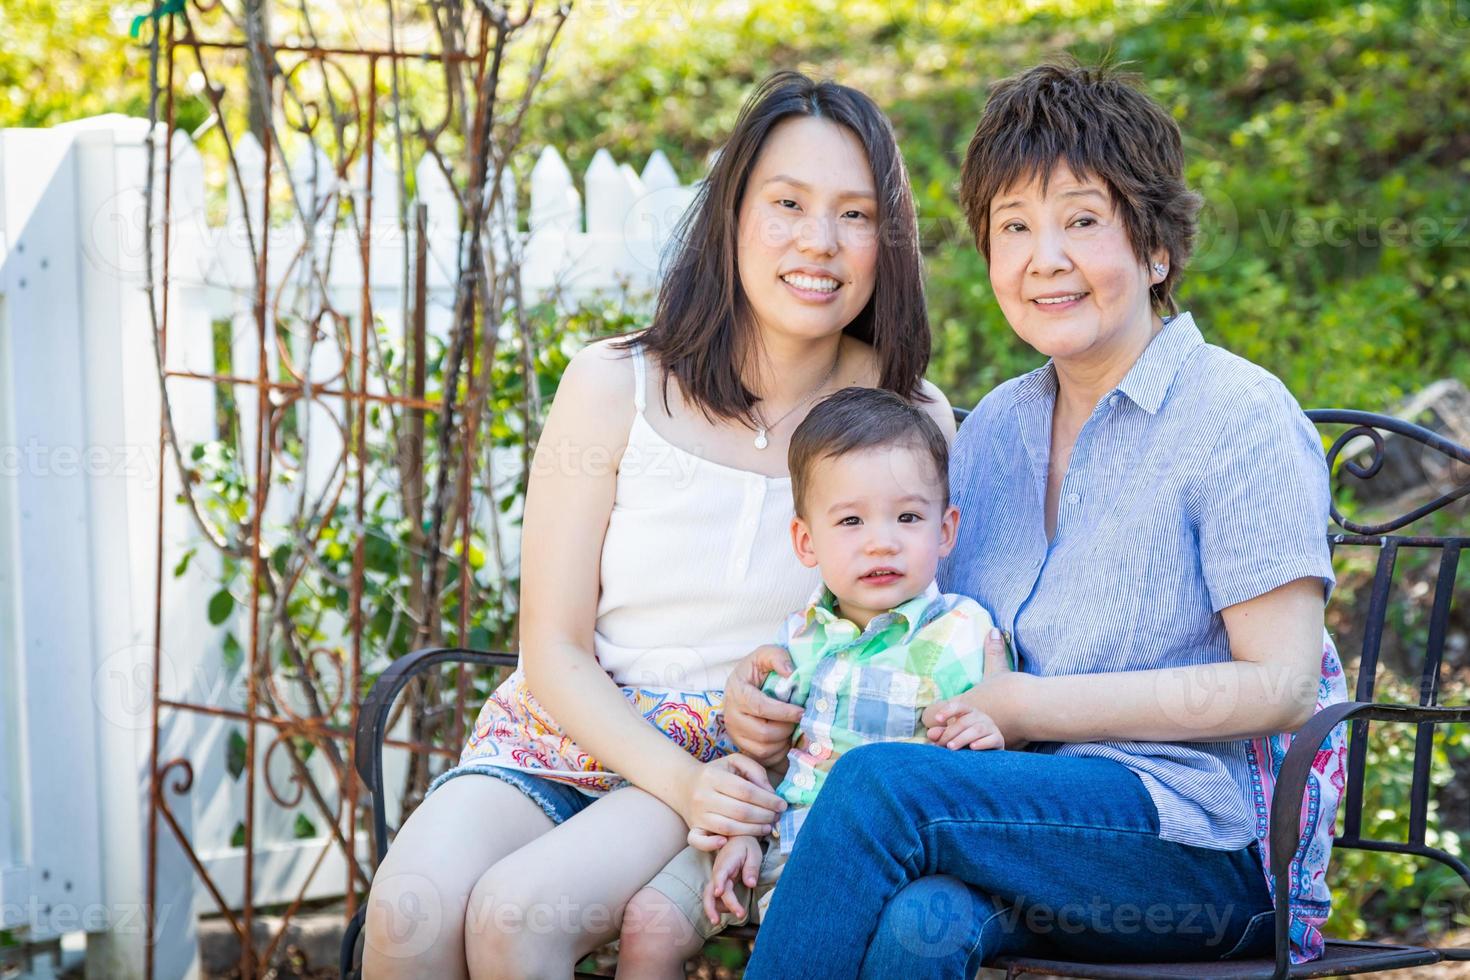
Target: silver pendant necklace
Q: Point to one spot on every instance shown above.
(761, 442)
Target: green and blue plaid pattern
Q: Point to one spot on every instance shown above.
(871, 685)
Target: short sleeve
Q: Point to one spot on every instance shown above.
(1261, 502)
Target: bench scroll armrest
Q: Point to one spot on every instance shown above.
(1291, 788)
(372, 720)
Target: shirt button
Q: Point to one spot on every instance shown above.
(1074, 497)
(823, 704)
(1112, 399)
(803, 779)
(820, 750)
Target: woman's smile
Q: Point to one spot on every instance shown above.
(812, 287)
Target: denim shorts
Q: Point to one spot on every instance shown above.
(558, 801)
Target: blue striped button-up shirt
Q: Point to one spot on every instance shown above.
(1196, 484)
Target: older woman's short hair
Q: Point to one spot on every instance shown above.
(1100, 124)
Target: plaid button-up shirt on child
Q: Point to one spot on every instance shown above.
(871, 685)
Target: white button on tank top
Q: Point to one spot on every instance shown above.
(697, 566)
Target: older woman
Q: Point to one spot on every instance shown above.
(1145, 514)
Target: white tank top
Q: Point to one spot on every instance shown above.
(697, 566)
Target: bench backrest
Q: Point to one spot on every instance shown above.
(1358, 454)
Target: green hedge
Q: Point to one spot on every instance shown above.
(1330, 141)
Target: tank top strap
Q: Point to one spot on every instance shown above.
(639, 399)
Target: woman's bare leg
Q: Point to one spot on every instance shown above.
(416, 908)
(542, 908)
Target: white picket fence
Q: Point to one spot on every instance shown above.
(79, 454)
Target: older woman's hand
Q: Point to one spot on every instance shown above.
(760, 725)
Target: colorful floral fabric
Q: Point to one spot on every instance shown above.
(1311, 899)
(515, 731)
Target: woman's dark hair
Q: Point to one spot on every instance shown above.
(702, 331)
(855, 419)
(1099, 123)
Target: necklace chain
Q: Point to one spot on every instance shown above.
(761, 442)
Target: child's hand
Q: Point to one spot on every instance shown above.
(957, 724)
(738, 860)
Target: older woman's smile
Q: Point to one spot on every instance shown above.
(1059, 301)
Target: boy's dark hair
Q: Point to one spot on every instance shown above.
(854, 419)
(1099, 123)
(702, 331)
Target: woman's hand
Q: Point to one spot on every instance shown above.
(760, 725)
(729, 797)
(997, 655)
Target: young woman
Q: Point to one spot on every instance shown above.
(656, 551)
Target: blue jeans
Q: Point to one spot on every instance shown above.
(920, 861)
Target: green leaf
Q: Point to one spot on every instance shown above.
(235, 754)
(183, 565)
(304, 827)
(380, 555)
(221, 604)
(279, 556)
(233, 653)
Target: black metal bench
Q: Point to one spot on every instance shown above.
(1342, 957)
